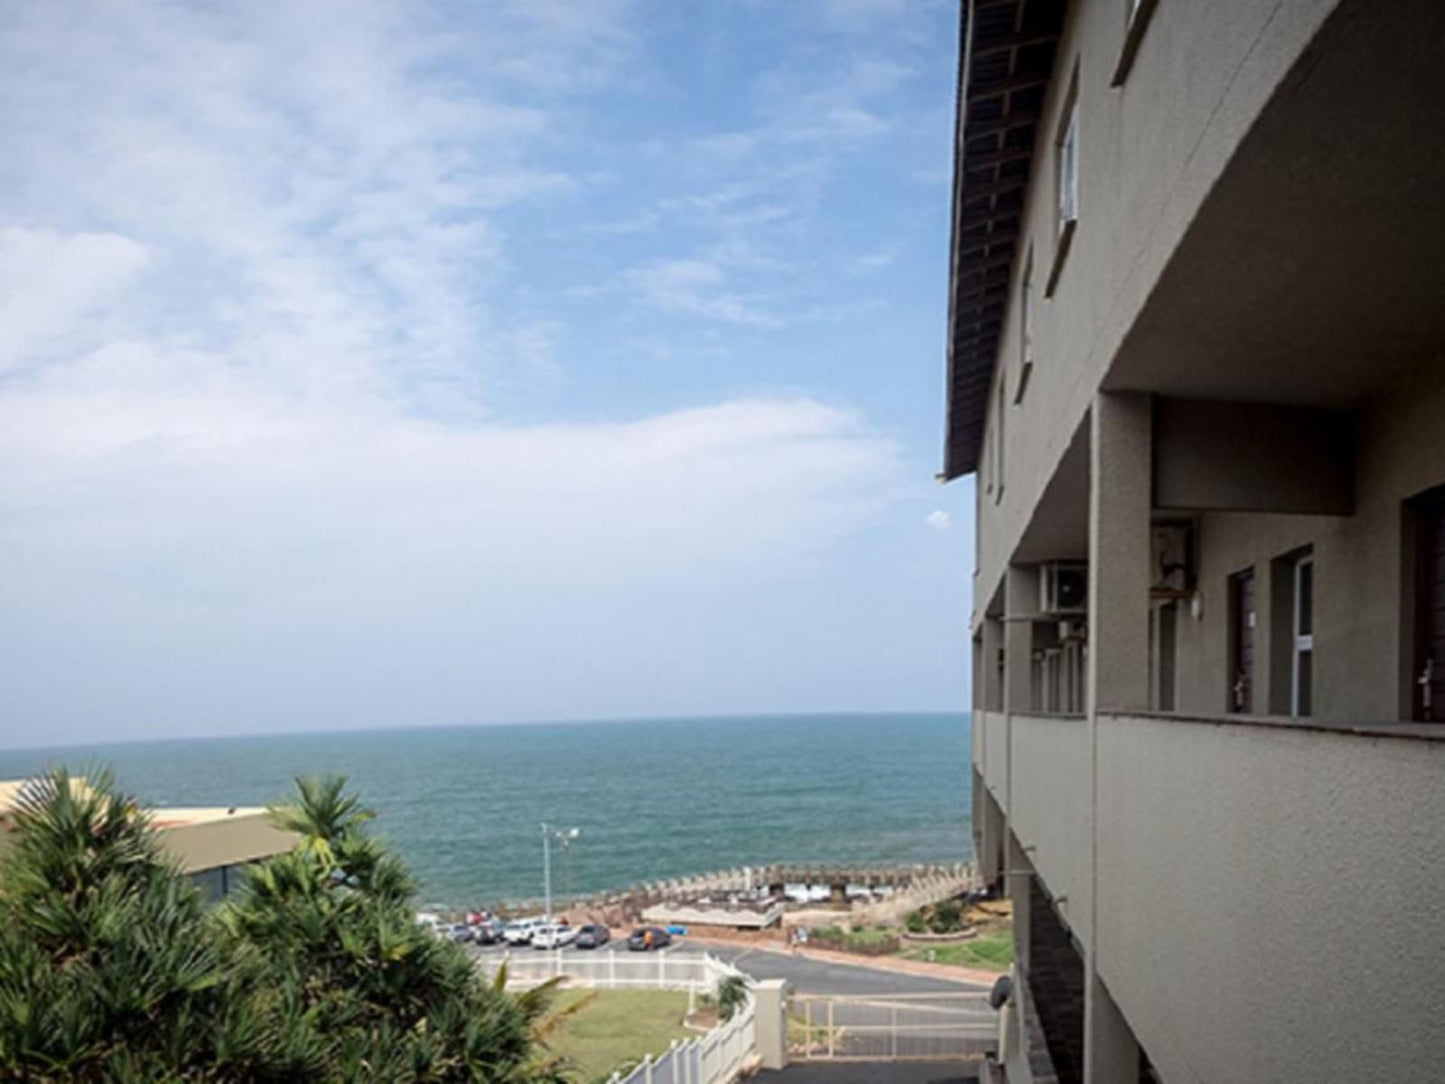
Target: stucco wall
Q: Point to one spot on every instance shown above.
(224, 843)
(995, 764)
(1049, 807)
(1149, 152)
(1270, 900)
(1362, 640)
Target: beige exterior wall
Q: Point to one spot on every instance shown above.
(1149, 153)
(218, 840)
(1362, 643)
(246, 837)
(1269, 900)
(1254, 898)
(1050, 809)
(1269, 903)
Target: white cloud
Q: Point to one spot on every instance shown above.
(875, 260)
(938, 519)
(259, 287)
(50, 281)
(697, 287)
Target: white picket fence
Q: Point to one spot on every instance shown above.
(712, 1058)
(610, 970)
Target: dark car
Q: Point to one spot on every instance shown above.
(645, 938)
(592, 937)
(488, 931)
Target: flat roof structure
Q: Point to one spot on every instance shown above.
(198, 838)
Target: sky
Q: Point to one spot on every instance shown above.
(382, 364)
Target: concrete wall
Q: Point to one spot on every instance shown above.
(1362, 639)
(1149, 152)
(245, 838)
(996, 750)
(1270, 903)
(1049, 806)
(1207, 456)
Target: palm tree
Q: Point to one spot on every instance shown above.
(328, 941)
(112, 970)
(107, 969)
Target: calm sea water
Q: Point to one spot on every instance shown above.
(654, 799)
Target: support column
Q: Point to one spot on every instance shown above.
(1021, 601)
(772, 1022)
(1120, 451)
(1111, 1054)
(1120, 500)
(991, 678)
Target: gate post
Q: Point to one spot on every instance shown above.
(771, 1022)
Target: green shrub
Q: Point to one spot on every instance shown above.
(947, 917)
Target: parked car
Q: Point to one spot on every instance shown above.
(489, 931)
(520, 932)
(553, 936)
(593, 936)
(431, 922)
(460, 931)
(646, 938)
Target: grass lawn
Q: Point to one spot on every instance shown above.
(991, 951)
(618, 1028)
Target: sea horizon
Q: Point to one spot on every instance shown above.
(602, 720)
(663, 797)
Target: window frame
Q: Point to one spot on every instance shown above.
(1136, 20)
(1067, 143)
(1301, 642)
(1000, 437)
(1026, 326)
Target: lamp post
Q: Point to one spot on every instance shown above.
(564, 836)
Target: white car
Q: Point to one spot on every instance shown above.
(520, 932)
(551, 937)
(433, 923)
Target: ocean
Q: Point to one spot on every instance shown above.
(653, 799)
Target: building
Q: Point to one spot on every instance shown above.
(1197, 363)
(208, 845)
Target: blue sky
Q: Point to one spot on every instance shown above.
(379, 364)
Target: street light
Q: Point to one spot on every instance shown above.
(563, 836)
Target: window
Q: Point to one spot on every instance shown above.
(998, 451)
(1241, 641)
(1069, 168)
(1026, 326)
(1066, 181)
(1136, 19)
(1302, 651)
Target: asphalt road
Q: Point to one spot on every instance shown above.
(810, 976)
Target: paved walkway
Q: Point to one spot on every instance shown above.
(891, 964)
(873, 1072)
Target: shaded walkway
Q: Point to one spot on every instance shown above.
(874, 1072)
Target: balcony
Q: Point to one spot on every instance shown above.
(1261, 879)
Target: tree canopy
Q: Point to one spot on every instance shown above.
(112, 969)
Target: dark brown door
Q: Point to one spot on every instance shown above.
(1430, 610)
(1241, 641)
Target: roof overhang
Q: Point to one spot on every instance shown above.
(1006, 59)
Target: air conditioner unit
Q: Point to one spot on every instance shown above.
(1063, 588)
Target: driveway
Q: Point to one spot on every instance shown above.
(810, 976)
(874, 1072)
